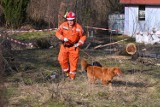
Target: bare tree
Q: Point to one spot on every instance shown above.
(3, 100)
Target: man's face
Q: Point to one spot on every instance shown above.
(71, 22)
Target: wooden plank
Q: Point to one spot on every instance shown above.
(101, 46)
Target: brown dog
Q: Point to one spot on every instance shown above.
(105, 74)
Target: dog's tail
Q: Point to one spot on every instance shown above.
(84, 64)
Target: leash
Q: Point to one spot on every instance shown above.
(86, 53)
(92, 58)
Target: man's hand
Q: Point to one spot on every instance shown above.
(65, 40)
(76, 45)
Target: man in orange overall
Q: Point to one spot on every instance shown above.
(72, 36)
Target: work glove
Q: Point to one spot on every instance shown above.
(65, 40)
(76, 45)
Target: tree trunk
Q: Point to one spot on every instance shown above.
(3, 99)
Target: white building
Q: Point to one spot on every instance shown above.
(141, 16)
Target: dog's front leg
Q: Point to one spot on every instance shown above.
(91, 80)
(104, 82)
(110, 85)
(94, 80)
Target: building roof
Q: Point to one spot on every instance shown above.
(143, 2)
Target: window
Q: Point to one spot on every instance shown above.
(141, 13)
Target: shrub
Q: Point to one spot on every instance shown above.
(14, 11)
(43, 43)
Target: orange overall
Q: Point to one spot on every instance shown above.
(68, 55)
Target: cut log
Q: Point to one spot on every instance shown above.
(131, 48)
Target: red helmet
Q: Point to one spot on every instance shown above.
(70, 16)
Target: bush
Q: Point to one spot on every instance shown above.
(14, 11)
(43, 43)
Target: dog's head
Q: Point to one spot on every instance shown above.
(117, 71)
(84, 64)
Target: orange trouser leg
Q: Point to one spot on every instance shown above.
(63, 58)
(73, 59)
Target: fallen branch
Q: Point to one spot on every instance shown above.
(88, 46)
(101, 46)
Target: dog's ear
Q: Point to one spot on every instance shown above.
(85, 57)
(95, 63)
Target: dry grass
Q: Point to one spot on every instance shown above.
(137, 87)
(30, 86)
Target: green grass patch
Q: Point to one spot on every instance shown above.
(52, 103)
(32, 35)
(10, 91)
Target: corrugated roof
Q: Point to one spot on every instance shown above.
(147, 2)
